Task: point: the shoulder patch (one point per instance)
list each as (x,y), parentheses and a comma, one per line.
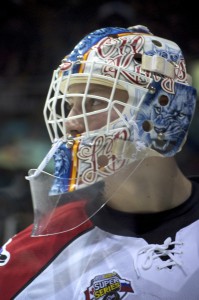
(108,286)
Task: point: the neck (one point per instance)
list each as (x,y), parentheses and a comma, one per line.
(156,184)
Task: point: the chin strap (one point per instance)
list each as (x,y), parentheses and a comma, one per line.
(46,159)
(65,166)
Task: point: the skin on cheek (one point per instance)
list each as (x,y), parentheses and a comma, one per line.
(97,121)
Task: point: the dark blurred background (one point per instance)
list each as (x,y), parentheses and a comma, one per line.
(34,36)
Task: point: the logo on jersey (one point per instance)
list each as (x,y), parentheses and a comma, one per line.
(4,254)
(108,286)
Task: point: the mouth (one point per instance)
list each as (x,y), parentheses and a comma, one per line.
(162,145)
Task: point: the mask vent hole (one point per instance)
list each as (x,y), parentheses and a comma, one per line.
(163,100)
(138,57)
(102,161)
(157,43)
(114,36)
(147,126)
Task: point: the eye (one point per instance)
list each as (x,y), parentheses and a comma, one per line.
(181,115)
(69,104)
(95,104)
(157,109)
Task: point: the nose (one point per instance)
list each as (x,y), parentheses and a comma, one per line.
(160,129)
(74,125)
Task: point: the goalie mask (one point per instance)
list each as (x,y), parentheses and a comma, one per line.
(120,96)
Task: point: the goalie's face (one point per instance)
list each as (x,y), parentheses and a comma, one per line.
(94,109)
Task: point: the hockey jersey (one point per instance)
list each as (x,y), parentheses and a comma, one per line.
(111,256)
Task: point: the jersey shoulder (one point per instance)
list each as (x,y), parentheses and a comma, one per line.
(24,256)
